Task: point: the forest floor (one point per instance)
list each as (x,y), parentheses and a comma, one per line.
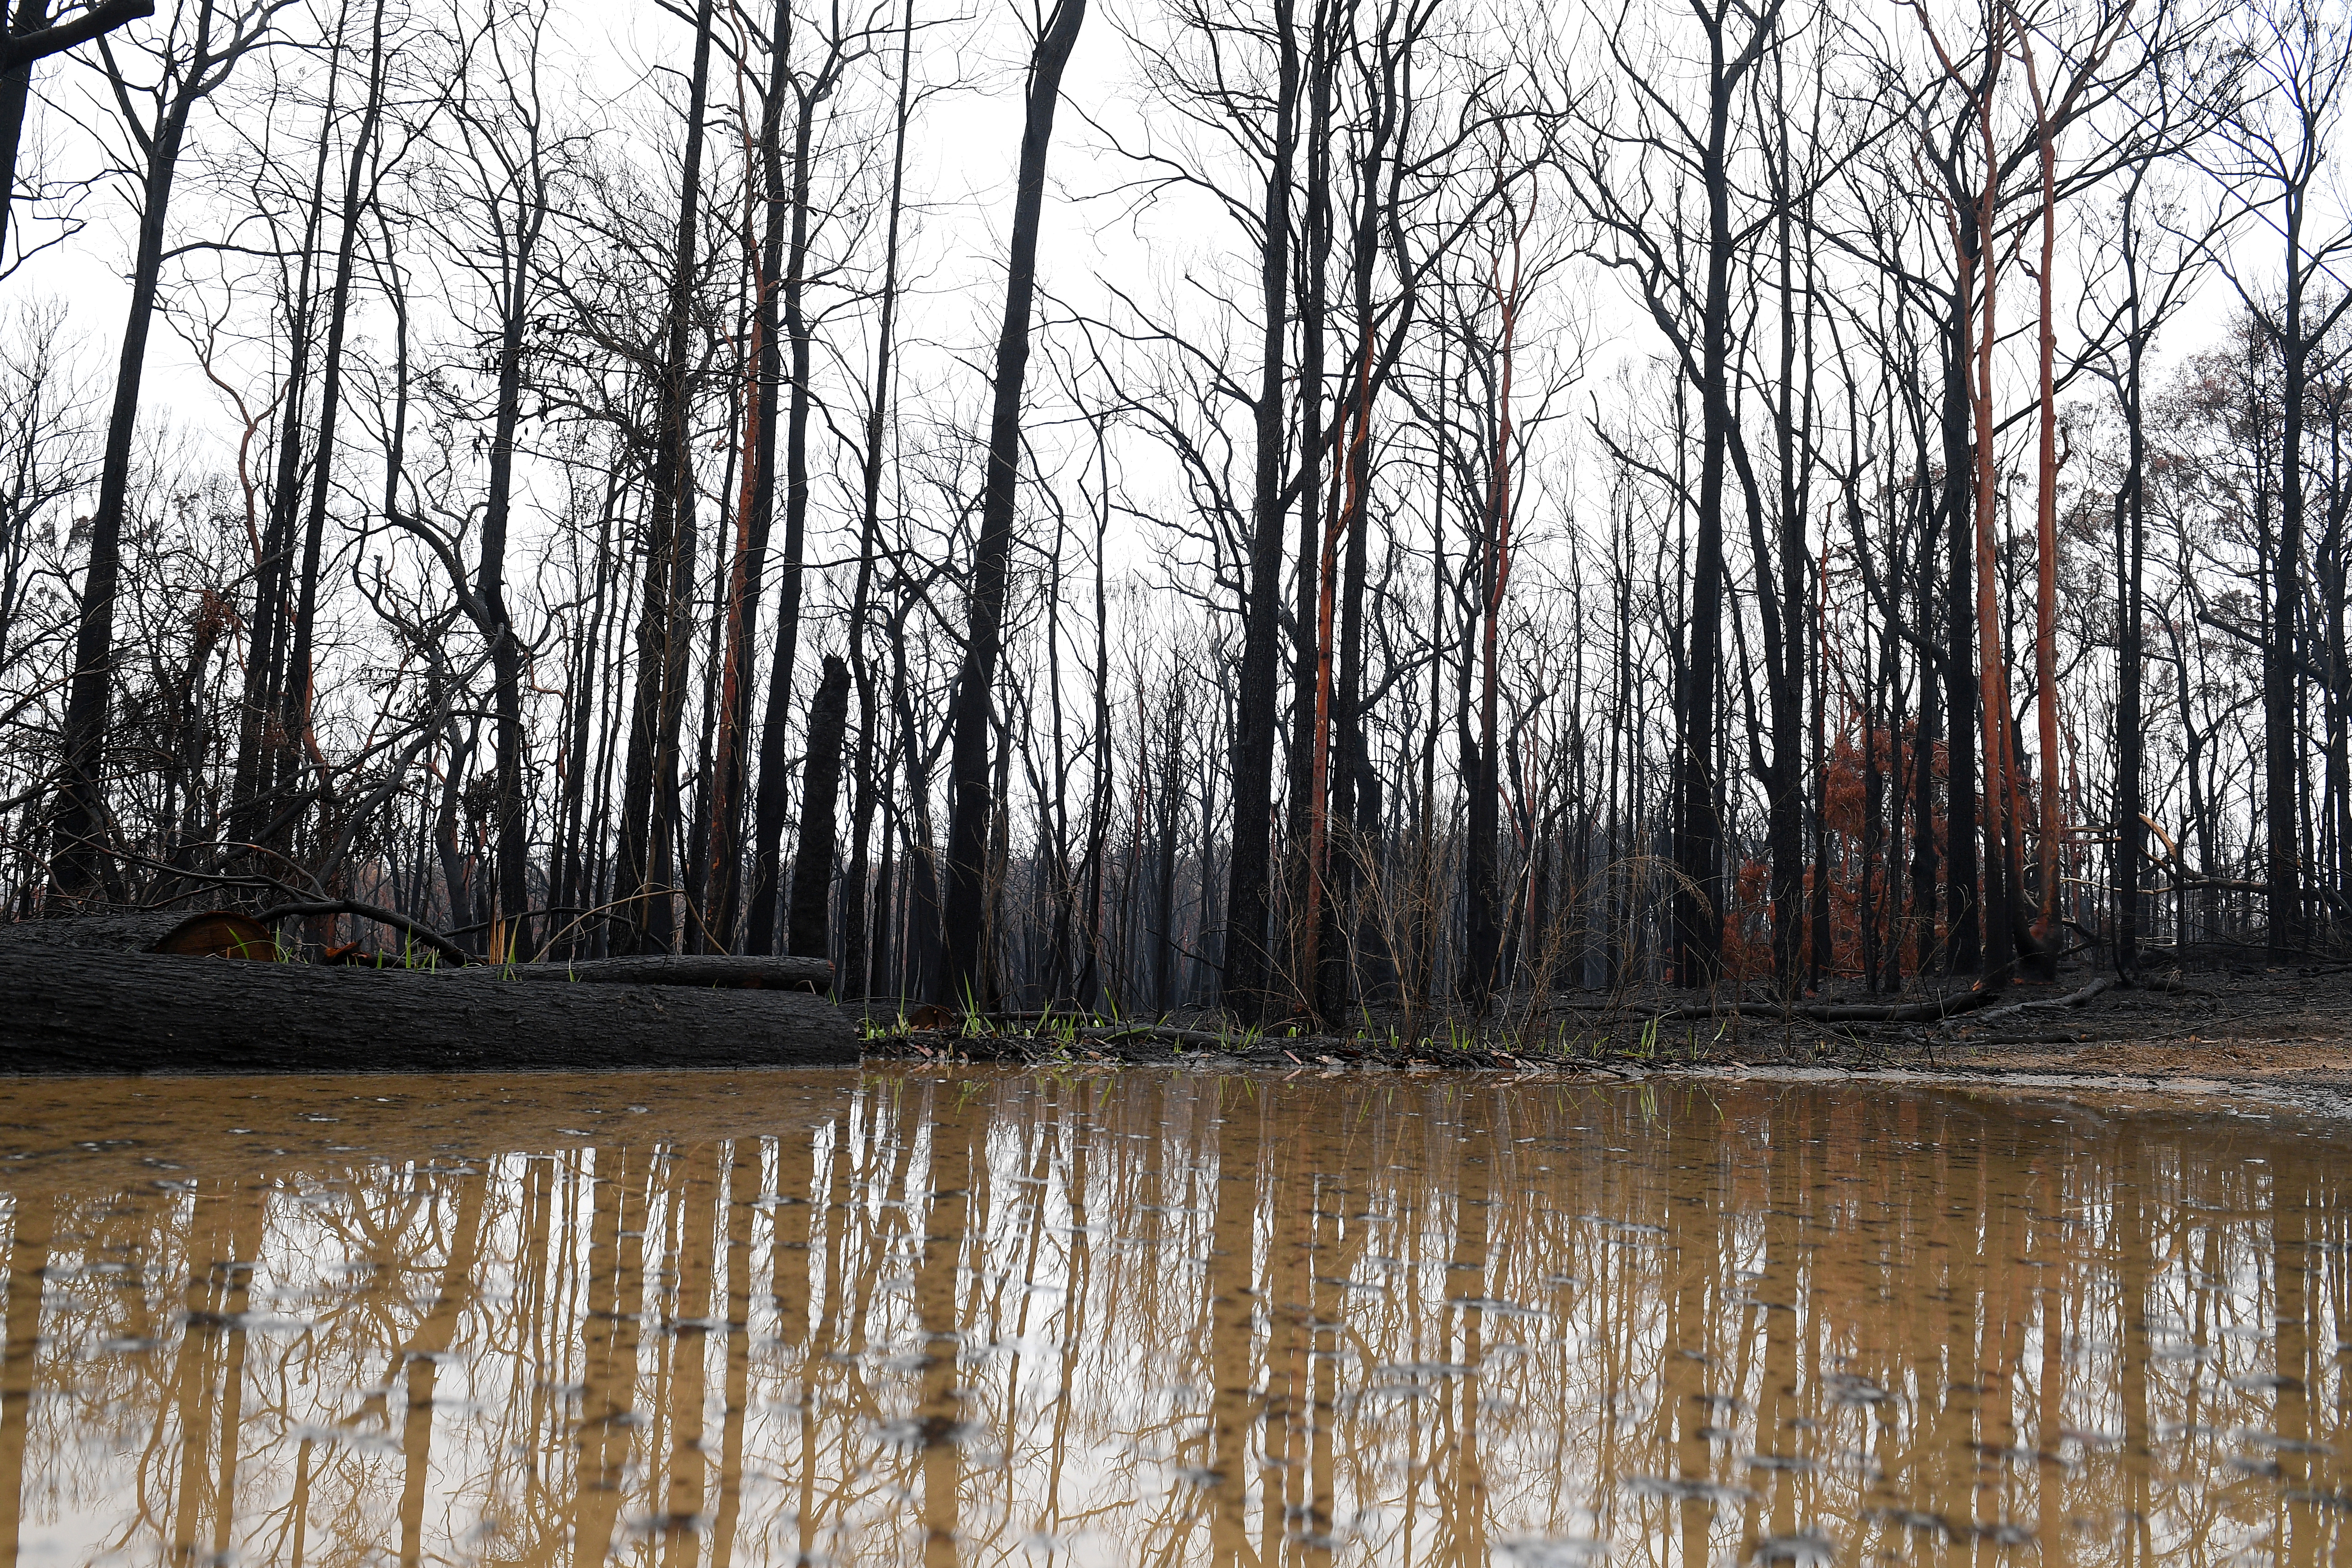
(2285,1030)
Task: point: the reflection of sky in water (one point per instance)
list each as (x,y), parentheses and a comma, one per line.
(925,1317)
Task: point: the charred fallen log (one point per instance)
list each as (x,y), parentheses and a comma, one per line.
(206,934)
(712,970)
(88,1010)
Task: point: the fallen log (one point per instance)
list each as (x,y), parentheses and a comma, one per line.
(1718,1005)
(716,971)
(99,1011)
(1899,1011)
(206,934)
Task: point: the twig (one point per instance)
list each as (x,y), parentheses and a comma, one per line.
(1107,1036)
(2072,999)
(422,933)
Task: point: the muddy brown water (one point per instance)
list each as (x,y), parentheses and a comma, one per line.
(993,1316)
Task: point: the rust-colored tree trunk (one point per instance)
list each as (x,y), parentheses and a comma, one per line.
(1319,775)
(2045,584)
(722,853)
(1991,664)
(1998,796)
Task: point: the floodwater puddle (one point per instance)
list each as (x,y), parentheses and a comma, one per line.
(979,1316)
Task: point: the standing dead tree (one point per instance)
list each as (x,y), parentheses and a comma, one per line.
(965,915)
(183,68)
(2275,158)
(1623,180)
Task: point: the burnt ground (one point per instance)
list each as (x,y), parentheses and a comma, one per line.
(2284,1029)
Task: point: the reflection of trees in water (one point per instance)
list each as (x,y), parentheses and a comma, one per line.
(1204,1320)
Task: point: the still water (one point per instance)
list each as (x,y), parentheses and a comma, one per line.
(990,1316)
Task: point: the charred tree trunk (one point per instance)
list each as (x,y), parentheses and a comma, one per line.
(648,796)
(81,868)
(1698,901)
(807,934)
(857,955)
(1963,950)
(2282,734)
(965,917)
(2131,554)
(512,936)
(775,763)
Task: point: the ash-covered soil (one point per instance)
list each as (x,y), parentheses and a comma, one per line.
(2286,1029)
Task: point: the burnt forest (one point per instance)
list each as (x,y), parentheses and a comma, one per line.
(1194,523)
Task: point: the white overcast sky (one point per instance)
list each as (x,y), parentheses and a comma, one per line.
(963,155)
